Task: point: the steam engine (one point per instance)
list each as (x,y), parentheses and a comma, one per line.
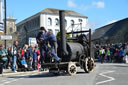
(75,53)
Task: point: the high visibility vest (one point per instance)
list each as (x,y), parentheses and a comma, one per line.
(101,52)
(108,52)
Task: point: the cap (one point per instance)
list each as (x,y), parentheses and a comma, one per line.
(42,28)
(50,31)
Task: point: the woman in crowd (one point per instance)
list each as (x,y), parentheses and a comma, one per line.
(9,56)
(3,58)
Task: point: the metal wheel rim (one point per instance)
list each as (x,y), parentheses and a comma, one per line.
(72,69)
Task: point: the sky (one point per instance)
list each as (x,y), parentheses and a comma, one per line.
(99,12)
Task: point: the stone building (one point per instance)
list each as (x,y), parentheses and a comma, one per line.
(10,30)
(49,18)
(112,33)
(11,25)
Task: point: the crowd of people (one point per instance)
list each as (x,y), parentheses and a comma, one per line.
(112,53)
(29,58)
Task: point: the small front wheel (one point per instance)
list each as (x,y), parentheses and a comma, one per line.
(72,69)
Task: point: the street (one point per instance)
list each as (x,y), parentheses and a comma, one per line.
(104,74)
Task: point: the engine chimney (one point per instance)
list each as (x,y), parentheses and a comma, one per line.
(62,33)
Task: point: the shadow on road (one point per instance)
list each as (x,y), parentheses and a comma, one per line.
(81,73)
(44,75)
(121,65)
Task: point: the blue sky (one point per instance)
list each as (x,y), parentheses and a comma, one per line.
(99,12)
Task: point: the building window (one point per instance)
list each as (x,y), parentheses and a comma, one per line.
(72,23)
(80,20)
(49,21)
(56,22)
(56,31)
(10,23)
(11,30)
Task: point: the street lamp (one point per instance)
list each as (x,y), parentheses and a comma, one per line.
(5,19)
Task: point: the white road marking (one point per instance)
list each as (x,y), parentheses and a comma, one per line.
(103,74)
(5,82)
(111,64)
(10,81)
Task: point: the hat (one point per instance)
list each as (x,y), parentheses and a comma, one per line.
(42,28)
(50,30)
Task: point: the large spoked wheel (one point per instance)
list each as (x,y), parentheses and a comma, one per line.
(72,69)
(89,65)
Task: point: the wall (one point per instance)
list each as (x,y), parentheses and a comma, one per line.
(44,22)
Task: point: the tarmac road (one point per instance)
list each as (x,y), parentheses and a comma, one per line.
(104,74)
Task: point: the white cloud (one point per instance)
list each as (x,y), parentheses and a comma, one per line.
(99,4)
(93,4)
(71,4)
(84,7)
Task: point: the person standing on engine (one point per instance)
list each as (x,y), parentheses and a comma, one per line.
(51,38)
(42,43)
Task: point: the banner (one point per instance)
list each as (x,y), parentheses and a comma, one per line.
(1,26)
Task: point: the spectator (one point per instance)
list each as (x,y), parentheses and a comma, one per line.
(30,58)
(102,54)
(108,55)
(25,53)
(121,55)
(3,58)
(9,63)
(117,54)
(111,54)
(125,54)
(34,58)
(14,52)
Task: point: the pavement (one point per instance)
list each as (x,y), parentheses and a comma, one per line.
(8,72)
(104,74)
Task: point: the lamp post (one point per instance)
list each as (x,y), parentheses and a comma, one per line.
(5,19)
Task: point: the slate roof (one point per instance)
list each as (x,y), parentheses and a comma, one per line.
(53,11)
(110,29)
(67,12)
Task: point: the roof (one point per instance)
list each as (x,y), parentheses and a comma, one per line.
(110,29)
(67,12)
(98,33)
(54,11)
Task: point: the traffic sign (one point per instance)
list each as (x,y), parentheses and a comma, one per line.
(6,37)
(32,41)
